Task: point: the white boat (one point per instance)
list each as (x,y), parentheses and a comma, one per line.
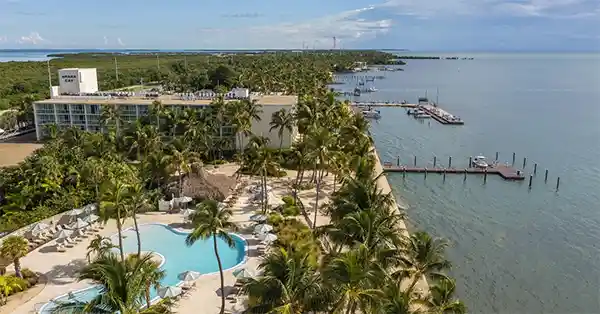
(374,114)
(371,89)
(479,162)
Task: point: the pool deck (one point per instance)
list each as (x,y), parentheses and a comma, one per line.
(61,268)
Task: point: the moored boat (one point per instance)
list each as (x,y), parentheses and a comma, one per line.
(480,162)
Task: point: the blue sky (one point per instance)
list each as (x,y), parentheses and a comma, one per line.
(426,25)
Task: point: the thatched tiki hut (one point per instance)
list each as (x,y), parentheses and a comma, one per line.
(201,185)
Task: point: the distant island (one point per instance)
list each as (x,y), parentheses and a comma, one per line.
(434,58)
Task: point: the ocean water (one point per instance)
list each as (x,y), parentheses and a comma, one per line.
(513,249)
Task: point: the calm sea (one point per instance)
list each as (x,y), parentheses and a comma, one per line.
(514,250)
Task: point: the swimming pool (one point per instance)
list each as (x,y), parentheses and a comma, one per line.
(178,257)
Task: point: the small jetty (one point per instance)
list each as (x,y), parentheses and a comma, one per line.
(505,172)
(441,115)
(398,104)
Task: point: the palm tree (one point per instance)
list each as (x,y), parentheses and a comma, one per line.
(282,120)
(289,284)
(99,246)
(137,202)
(123,282)
(14,248)
(110,116)
(440,299)
(182,159)
(396,300)
(113,205)
(320,142)
(213,220)
(423,256)
(152,275)
(355,278)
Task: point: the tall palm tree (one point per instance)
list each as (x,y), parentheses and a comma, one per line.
(113,205)
(14,248)
(321,143)
(110,116)
(289,284)
(440,299)
(182,159)
(423,256)
(152,275)
(396,300)
(99,246)
(137,202)
(213,220)
(282,120)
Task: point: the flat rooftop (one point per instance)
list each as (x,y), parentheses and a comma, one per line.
(165,99)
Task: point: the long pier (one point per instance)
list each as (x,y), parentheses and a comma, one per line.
(441,115)
(505,172)
(383,104)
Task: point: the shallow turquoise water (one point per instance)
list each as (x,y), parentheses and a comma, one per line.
(514,250)
(178,257)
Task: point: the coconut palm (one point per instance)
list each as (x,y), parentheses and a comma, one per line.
(282,120)
(289,284)
(123,282)
(320,141)
(440,299)
(182,160)
(137,202)
(99,246)
(113,205)
(152,275)
(213,220)
(423,256)
(396,300)
(14,248)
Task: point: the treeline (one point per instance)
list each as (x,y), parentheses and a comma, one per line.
(181,72)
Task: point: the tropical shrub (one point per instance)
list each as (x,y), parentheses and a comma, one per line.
(288,200)
(275,220)
(291,211)
(296,236)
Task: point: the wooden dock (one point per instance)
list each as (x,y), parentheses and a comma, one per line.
(441,115)
(505,172)
(383,104)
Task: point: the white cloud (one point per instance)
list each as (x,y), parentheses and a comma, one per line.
(120,42)
(346,26)
(105,40)
(34,38)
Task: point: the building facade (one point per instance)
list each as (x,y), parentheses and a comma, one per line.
(84,112)
(75,81)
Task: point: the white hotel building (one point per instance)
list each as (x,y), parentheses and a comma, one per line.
(71,105)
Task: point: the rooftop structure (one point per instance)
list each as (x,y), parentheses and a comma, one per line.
(76,80)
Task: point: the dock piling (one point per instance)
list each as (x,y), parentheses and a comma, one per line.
(524,162)
(444,175)
(398,161)
(470,161)
(514,156)
(546,176)
(534,168)
(425,173)
(496,156)
(449,161)
(403,173)
(434,161)
(465,178)
(485,176)
(557,183)
(530,180)
(415,161)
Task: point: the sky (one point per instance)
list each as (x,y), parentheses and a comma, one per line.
(419,25)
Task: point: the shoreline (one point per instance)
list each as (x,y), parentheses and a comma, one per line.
(382,182)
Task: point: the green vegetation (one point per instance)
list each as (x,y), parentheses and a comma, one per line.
(358,261)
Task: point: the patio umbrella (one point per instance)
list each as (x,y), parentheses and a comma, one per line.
(187,212)
(189,275)
(38,229)
(63,234)
(90,208)
(74,212)
(184,199)
(268,237)
(242,273)
(79,224)
(263,228)
(169,292)
(258,217)
(91,218)
(274,200)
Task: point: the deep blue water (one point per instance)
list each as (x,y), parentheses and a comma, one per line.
(514,250)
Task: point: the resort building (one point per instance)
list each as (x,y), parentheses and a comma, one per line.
(83,109)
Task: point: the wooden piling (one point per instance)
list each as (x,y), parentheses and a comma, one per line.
(534,168)
(496,156)
(546,176)
(465,178)
(470,162)
(415,161)
(425,173)
(514,156)
(485,176)
(449,161)
(398,161)
(403,173)
(557,183)
(530,180)
(434,161)
(444,175)
(524,162)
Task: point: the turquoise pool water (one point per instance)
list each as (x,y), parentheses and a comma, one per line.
(170,243)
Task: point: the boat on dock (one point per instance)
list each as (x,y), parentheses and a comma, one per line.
(371,113)
(480,162)
(422,116)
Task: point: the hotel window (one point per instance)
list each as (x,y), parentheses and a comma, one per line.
(93,109)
